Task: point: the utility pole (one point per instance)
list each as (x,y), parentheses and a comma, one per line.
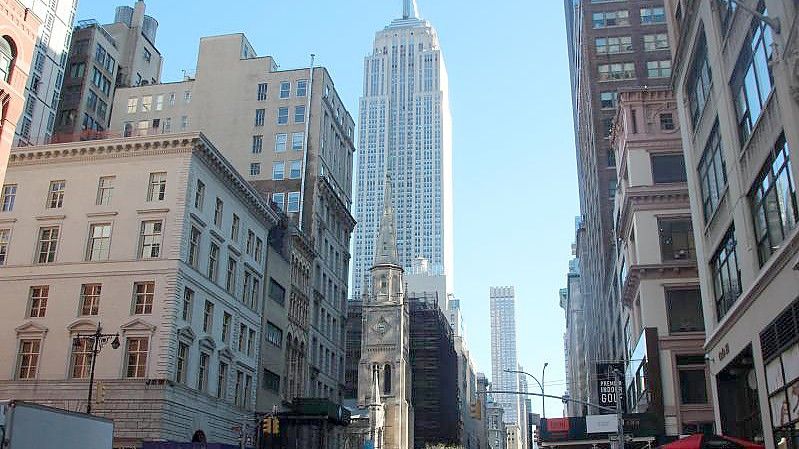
(619,414)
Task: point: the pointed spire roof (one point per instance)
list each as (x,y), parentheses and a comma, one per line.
(376,388)
(409,9)
(387,236)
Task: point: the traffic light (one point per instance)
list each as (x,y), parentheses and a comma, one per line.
(266,425)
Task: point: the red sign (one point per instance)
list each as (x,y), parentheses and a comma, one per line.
(558,424)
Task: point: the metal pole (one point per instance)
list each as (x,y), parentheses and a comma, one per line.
(543,397)
(619,415)
(95,350)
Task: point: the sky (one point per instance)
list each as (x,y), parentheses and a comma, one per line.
(515,183)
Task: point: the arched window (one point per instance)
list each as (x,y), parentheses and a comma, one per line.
(387,379)
(7,55)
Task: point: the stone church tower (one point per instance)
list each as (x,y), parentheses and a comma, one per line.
(385,347)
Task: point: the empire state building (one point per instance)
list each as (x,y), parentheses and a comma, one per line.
(405,133)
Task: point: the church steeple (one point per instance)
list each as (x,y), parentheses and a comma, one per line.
(387,236)
(409,9)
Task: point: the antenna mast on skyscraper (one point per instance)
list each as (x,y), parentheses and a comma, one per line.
(410,9)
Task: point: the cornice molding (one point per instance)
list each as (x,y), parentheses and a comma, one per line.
(651,198)
(637,273)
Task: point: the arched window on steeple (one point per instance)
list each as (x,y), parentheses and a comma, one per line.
(7,55)
(387,379)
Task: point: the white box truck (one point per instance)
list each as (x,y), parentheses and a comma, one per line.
(25,425)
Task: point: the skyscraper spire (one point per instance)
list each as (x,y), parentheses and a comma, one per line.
(409,9)
(387,235)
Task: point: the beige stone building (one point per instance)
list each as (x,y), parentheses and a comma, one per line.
(160,241)
(735,79)
(666,373)
(292,139)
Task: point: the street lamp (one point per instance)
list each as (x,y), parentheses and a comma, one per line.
(98,340)
(540,384)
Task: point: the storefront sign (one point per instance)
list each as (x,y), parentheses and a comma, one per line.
(601,423)
(608,384)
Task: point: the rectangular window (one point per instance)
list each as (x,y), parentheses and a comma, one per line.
(156,189)
(194,247)
(208,317)
(752,80)
(726,274)
(247,388)
(227,319)
(28,358)
(257,144)
(8,196)
(48,244)
(187,97)
(242,336)
(274,335)
(37,303)
(133,105)
(297,141)
(302,88)
(260,115)
(285,89)
(202,372)
(278,170)
(150,239)
(184,122)
(261,96)
(271,381)
(213,262)
(619,71)
(654,42)
(188,304)
(684,307)
(99,246)
(295,171)
(221,381)
(666,121)
(613,45)
(143,295)
(136,357)
(159,102)
(230,280)
(282,115)
(172,98)
(293,202)
(234,228)
(81,358)
(693,383)
(277,292)
(55,195)
(105,187)
(712,173)
(255,169)
(652,15)
(668,168)
(246,296)
(611,19)
(658,69)
(280,142)
(676,239)
(250,242)
(181,363)
(90,299)
(773,201)
(280,200)
(5,239)
(259,247)
(299,114)
(251,343)
(199,195)
(146,103)
(219,211)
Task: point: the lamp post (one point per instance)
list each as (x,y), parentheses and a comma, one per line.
(540,385)
(98,340)
(543,374)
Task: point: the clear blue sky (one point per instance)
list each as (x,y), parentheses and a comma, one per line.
(514,158)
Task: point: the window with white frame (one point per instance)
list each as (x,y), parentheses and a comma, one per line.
(295,169)
(194,247)
(302,88)
(202,371)
(90,299)
(257,144)
(133,105)
(608,99)
(199,195)
(208,317)
(280,200)
(99,245)
(299,114)
(156,189)
(261,96)
(285,89)
(278,170)
(654,42)
(282,115)
(280,142)
(81,358)
(230,280)
(297,141)
(613,45)
(37,302)
(260,116)
(136,357)
(105,188)
(227,320)
(219,211)
(255,168)
(55,194)
(28,358)
(150,239)
(143,296)
(609,19)
(188,304)
(293,202)
(213,262)
(181,362)
(7,197)
(618,71)
(234,228)
(221,381)
(658,69)
(48,244)
(5,240)
(653,15)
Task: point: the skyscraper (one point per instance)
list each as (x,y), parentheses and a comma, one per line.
(503,351)
(405,131)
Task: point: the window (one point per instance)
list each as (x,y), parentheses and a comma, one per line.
(257,144)
(48,244)
(302,88)
(259,247)
(199,195)
(387,379)
(260,115)
(274,335)
(221,381)
(611,19)
(234,228)
(187,97)
(293,202)
(156,190)
(172,98)
(208,317)
(150,239)
(81,358)
(285,89)
(143,295)
(230,281)
(37,304)
(712,173)
(271,381)
(77,70)
(278,171)
(612,45)
(251,343)
(607,99)
(28,358)
(773,201)
(250,242)
(652,15)
(133,105)
(99,242)
(105,187)
(91,101)
(295,171)
(280,142)
(668,168)
(299,114)
(90,299)
(684,307)
(752,81)
(194,247)
(280,200)
(202,371)
(726,274)
(159,103)
(136,357)
(620,71)
(261,96)
(55,195)
(226,321)
(246,296)
(184,122)
(182,362)
(693,384)
(188,304)
(5,239)
(213,262)
(676,239)
(255,169)
(146,103)
(666,121)
(7,197)
(658,69)
(219,212)
(297,141)
(282,115)
(242,336)
(654,42)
